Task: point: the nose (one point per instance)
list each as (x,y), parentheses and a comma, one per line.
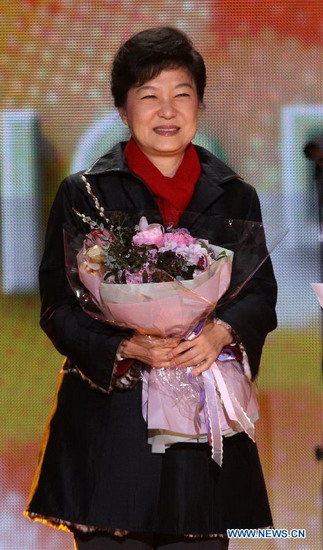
(167,109)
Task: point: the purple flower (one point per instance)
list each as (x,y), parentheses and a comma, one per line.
(133,278)
(194,253)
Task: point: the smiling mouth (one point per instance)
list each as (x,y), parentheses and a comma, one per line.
(166,130)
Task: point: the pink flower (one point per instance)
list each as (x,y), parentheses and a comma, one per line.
(153,234)
(180,237)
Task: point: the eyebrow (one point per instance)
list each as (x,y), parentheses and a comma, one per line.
(183,84)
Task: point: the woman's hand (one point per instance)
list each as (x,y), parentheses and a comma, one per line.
(202,351)
(151,350)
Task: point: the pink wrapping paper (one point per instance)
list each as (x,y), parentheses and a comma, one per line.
(162,309)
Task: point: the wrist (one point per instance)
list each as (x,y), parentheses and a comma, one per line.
(234,336)
(223,335)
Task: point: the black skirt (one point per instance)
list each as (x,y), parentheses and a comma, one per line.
(97,469)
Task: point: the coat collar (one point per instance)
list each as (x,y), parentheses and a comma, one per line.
(111,161)
(214,174)
(213,168)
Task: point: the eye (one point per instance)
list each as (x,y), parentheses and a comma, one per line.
(183,94)
(149,96)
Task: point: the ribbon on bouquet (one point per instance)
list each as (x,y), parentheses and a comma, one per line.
(217,397)
(225,404)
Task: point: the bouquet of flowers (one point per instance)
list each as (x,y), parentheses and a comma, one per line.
(167,282)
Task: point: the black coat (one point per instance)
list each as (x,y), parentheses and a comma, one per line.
(96,468)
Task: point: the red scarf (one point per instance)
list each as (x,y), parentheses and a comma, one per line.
(172,194)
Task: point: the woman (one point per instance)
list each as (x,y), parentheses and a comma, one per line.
(97,476)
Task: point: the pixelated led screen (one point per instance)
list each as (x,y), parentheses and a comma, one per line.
(264,101)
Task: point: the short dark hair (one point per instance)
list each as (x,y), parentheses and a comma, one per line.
(149,52)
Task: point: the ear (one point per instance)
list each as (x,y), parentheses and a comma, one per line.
(123,115)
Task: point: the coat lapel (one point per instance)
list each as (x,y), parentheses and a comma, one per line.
(209,188)
(206,193)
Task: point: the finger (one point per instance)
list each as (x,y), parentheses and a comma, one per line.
(193,353)
(187,360)
(158,358)
(202,367)
(188,355)
(158,348)
(170,344)
(199,343)
(181,348)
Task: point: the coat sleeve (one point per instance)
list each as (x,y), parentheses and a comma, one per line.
(252,313)
(89,344)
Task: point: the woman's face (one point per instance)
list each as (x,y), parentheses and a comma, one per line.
(162,114)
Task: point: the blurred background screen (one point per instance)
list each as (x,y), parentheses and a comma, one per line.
(264,102)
